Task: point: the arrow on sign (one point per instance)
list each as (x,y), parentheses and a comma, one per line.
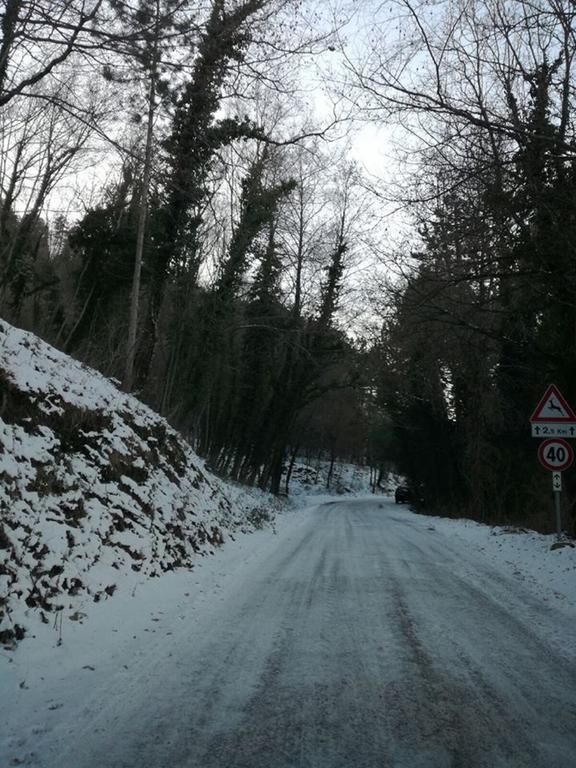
(556,481)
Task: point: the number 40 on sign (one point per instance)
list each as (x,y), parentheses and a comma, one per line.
(555,454)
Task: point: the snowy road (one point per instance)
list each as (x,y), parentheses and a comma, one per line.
(359,637)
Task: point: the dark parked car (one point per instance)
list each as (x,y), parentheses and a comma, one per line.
(403,495)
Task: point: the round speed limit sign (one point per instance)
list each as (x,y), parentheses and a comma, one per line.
(555,454)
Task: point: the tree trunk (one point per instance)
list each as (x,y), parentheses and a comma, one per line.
(330,470)
(128,381)
(290,468)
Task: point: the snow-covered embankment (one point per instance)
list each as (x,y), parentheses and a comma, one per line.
(96,490)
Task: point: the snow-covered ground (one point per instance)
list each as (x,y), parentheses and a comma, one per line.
(523,555)
(173,619)
(312,479)
(55,682)
(356,630)
(97,492)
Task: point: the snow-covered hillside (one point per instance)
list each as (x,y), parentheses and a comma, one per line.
(311,478)
(96,490)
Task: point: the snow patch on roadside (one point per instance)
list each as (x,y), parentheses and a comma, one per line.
(520,554)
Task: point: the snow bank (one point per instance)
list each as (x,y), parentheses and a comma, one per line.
(518,553)
(96,490)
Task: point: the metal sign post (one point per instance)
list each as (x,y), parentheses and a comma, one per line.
(555,420)
(558,506)
(556,455)
(557,489)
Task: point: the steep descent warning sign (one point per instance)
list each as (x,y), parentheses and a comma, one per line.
(553,408)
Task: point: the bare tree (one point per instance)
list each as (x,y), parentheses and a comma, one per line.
(467,67)
(38,36)
(40,145)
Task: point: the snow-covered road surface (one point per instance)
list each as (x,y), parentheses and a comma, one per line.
(358,637)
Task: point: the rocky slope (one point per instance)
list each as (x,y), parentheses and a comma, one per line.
(96,490)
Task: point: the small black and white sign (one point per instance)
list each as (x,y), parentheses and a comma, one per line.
(543,430)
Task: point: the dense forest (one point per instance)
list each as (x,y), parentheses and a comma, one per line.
(183,207)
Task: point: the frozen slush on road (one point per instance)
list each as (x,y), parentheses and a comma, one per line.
(361,635)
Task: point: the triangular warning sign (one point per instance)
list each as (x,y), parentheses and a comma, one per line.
(553,408)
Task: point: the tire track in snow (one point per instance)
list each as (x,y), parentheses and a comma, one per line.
(364,641)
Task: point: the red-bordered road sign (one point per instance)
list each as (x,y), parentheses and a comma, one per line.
(555,454)
(553,408)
